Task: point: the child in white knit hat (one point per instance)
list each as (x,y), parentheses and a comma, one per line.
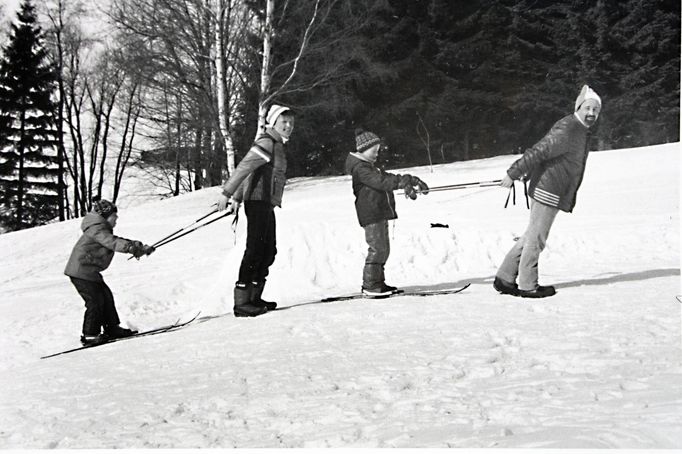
(259,182)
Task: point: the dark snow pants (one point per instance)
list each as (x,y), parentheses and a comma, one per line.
(261,244)
(378,241)
(100,310)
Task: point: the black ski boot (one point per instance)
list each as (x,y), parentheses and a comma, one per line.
(392,289)
(91,340)
(505,288)
(380,291)
(540,291)
(243,305)
(257,291)
(117,332)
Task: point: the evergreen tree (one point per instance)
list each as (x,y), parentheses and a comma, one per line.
(28,163)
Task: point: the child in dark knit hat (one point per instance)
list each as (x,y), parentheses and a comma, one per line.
(375,206)
(91,255)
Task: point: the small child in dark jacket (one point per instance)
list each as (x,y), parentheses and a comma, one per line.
(91,255)
(375,206)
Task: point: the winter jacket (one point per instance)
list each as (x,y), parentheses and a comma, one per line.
(94,250)
(555,165)
(373,189)
(261,175)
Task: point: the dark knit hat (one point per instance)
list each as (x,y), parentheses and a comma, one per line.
(364,140)
(104,208)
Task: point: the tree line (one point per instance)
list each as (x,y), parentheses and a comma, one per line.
(179,88)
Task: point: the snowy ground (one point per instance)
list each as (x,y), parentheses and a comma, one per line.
(596,366)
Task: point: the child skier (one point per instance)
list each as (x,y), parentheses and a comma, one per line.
(91,255)
(375,206)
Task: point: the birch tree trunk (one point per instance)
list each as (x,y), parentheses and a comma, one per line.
(265,68)
(221,83)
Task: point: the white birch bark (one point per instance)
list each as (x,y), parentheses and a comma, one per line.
(221,83)
(265,68)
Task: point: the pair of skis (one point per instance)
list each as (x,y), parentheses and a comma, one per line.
(355,296)
(162,329)
(178,324)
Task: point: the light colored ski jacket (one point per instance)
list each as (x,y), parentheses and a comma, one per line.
(95,249)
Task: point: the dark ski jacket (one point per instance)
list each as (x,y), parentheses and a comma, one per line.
(373,189)
(261,175)
(95,249)
(555,165)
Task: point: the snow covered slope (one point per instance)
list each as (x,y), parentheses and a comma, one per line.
(596,366)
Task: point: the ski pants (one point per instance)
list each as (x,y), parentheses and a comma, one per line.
(379,249)
(100,310)
(522,260)
(261,241)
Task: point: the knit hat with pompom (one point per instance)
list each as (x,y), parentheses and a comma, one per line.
(103,207)
(364,140)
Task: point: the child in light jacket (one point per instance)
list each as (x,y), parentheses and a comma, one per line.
(91,255)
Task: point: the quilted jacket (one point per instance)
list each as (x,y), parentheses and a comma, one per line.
(373,189)
(261,175)
(95,249)
(555,165)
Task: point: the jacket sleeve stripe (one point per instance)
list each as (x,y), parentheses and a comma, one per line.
(262,153)
(546,197)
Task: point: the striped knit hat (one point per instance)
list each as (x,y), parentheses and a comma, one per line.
(364,140)
(274,113)
(104,208)
(585,94)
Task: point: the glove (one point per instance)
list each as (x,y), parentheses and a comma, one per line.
(137,249)
(404,181)
(406,185)
(148,249)
(410,192)
(422,187)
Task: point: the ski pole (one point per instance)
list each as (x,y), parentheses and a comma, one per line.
(481,184)
(187,232)
(184,228)
(172,237)
(450,187)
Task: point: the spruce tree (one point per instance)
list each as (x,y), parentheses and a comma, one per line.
(28,162)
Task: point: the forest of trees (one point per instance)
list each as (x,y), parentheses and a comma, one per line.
(179,88)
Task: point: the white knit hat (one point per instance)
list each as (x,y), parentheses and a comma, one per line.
(585,94)
(274,113)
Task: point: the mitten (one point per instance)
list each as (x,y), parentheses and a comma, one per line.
(406,185)
(423,187)
(148,249)
(404,181)
(410,192)
(137,249)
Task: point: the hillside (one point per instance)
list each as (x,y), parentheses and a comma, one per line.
(596,366)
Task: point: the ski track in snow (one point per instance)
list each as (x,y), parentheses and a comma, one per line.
(596,366)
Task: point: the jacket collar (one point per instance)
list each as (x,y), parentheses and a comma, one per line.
(580,119)
(360,157)
(275,135)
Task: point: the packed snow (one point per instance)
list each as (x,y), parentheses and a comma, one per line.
(596,366)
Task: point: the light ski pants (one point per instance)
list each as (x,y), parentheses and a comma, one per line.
(522,260)
(379,244)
